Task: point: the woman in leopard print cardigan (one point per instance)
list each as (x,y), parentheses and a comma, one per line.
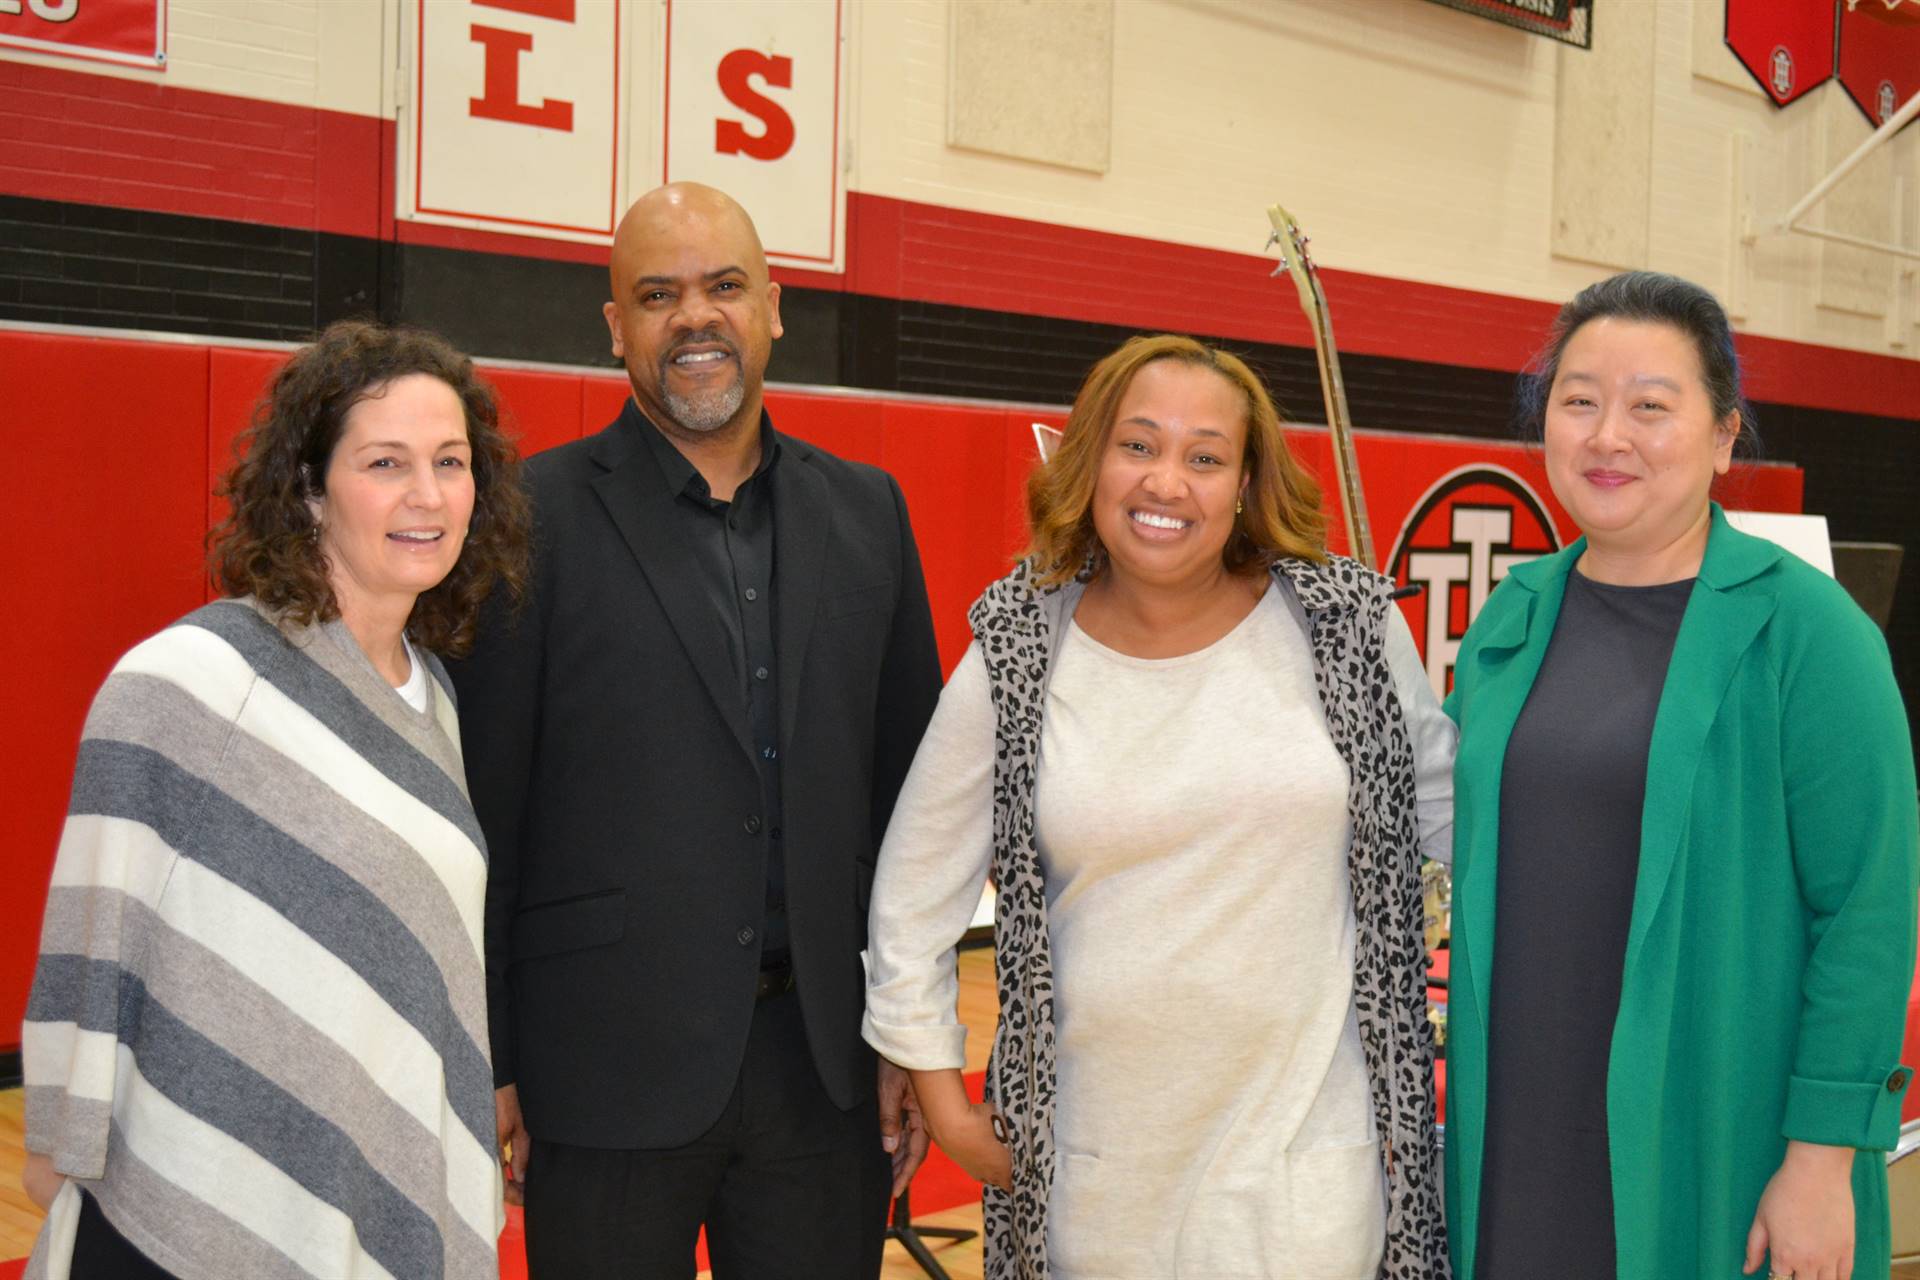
(1172,487)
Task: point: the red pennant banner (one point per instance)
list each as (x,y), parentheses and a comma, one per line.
(1787,45)
(1879,59)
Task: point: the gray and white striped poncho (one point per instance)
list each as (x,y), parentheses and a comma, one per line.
(257,1030)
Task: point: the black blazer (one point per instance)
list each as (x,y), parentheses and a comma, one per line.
(609,756)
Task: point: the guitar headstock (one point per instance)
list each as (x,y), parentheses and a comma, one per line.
(1046,439)
(1294,258)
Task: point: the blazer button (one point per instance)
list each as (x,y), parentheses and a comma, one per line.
(744,937)
(752,825)
(1896,1082)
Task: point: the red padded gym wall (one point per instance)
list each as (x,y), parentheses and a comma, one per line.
(235,381)
(102,509)
(538,409)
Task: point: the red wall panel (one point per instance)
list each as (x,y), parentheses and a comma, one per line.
(848,426)
(102,508)
(236,379)
(147,145)
(951,464)
(601,399)
(539,410)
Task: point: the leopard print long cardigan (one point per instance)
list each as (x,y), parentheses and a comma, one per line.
(1346,608)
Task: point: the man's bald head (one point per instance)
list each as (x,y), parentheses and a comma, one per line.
(670,213)
(693,314)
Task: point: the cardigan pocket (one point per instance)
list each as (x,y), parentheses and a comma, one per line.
(1084,1234)
(569,924)
(1336,1212)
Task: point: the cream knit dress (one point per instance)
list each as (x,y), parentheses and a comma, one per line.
(1213,1118)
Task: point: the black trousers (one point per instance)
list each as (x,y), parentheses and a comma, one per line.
(789,1186)
(100,1252)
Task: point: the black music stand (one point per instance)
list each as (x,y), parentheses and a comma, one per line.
(1869,571)
(901,1228)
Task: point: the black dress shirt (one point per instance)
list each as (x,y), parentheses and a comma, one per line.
(732,544)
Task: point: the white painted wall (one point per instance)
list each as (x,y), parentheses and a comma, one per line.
(1418,142)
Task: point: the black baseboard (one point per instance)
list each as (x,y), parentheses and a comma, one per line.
(10,1070)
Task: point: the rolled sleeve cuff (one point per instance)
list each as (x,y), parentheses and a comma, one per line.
(917,1048)
(1836,1113)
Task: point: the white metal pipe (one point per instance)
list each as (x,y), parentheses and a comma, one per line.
(1892,126)
(1858,242)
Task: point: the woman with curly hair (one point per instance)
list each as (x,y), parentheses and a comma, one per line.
(1200,759)
(256,1040)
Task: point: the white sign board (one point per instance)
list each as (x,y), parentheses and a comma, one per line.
(516,121)
(1805,536)
(752,106)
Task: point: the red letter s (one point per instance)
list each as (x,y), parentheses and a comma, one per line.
(730,137)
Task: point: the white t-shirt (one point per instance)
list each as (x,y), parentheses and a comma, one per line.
(415,689)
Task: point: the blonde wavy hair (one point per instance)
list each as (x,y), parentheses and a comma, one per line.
(1282,518)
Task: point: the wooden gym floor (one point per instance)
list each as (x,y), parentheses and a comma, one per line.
(20,1220)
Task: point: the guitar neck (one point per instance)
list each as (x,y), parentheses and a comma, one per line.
(1346,464)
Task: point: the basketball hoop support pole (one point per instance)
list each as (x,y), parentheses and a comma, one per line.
(1790,224)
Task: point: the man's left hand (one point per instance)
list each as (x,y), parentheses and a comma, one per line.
(902,1130)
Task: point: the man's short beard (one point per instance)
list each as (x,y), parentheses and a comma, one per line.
(708,412)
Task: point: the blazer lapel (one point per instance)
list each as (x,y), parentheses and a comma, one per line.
(1507,659)
(635,495)
(1719,627)
(802,521)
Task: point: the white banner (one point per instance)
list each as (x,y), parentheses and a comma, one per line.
(516,117)
(752,106)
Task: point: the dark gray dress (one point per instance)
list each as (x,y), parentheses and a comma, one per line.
(1570,802)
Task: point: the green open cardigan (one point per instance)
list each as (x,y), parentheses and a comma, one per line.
(1772,935)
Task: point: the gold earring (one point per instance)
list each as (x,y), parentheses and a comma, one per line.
(1239,505)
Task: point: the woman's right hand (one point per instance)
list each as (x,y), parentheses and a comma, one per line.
(40,1181)
(964,1129)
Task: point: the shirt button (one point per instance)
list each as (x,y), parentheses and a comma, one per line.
(768,753)
(744,937)
(752,594)
(759,673)
(732,523)
(775,833)
(752,824)
(1896,1082)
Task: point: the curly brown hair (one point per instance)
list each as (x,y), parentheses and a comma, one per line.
(1282,517)
(268,546)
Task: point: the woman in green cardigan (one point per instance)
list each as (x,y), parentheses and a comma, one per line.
(1685,856)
